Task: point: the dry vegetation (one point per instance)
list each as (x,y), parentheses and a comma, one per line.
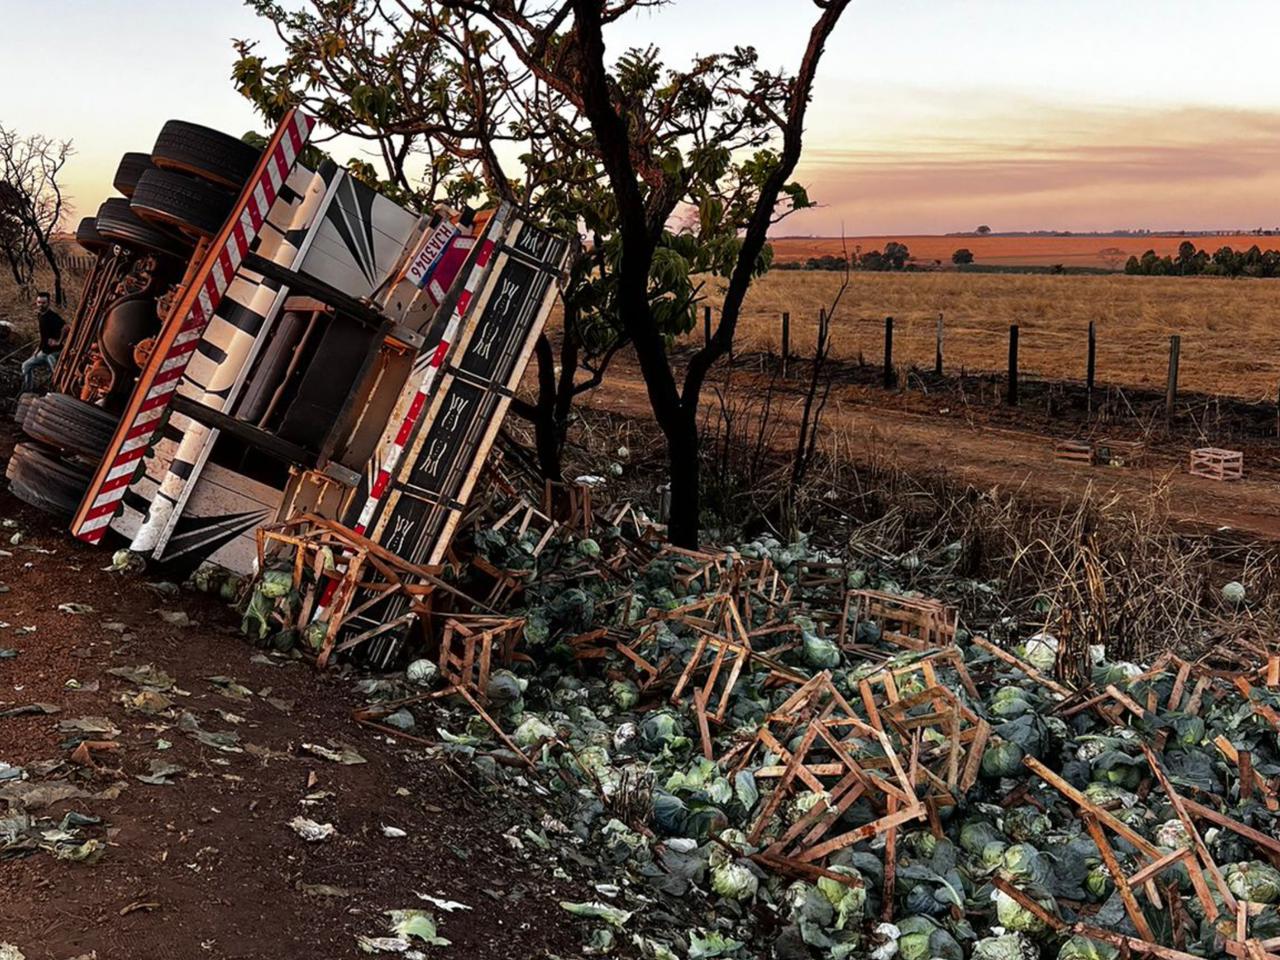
(1107,252)
(1230,337)
(17,303)
(1114,565)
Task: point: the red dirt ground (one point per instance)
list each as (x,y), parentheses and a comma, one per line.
(207,866)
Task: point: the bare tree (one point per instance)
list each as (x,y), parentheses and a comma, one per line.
(32,204)
(15,243)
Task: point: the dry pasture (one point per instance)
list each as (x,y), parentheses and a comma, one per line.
(1229,328)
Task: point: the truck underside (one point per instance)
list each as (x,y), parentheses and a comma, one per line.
(321,350)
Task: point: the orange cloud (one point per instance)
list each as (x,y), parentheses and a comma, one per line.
(1042,168)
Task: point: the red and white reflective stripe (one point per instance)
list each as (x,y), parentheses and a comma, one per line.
(137,435)
(412,415)
(436,291)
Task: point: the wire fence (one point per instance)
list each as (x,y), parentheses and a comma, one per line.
(75,262)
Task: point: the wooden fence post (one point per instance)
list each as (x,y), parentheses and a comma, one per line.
(786,341)
(1171,387)
(888,353)
(1012,397)
(1088,380)
(937,353)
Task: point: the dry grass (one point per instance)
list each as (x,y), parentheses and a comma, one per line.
(17,304)
(1104,252)
(1230,337)
(1115,568)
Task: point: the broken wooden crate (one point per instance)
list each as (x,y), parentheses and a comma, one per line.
(470,646)
(915,623)
(840,760)
(1073,451)
(330,563)
(1119,453)
(922,713)
(1215,463)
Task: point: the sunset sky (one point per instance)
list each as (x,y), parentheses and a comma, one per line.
(929,115)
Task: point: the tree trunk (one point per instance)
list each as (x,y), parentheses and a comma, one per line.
(682,455)
(546,435)
(59,296)
(15,268)
(547,441)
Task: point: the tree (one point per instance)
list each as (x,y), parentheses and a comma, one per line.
(984,230)
(897,254)
(434,88)
(873,260)
(31,203)
(1113,257)
(16,243)
(669,171)
(1228,261)
(961,256)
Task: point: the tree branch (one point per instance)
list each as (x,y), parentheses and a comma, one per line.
(757,230)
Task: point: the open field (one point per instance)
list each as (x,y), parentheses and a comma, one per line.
(1230,335)
(1107,252)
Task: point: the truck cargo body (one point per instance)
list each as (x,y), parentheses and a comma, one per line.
(331,353)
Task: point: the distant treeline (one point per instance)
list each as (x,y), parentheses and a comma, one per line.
(1194,262)
(895,256)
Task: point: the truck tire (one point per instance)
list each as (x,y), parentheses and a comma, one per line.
(87,235)
(117,223)
(208,154)
(132,166)
(22,406)
(70,424)
(38,477)
(177,200)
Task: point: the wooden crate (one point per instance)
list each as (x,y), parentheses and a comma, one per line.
(469,645)
(916,623)
(1214,463)
(339,574)
(1119,453)
(1073,451)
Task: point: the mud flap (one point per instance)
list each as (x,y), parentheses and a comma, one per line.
(221,519)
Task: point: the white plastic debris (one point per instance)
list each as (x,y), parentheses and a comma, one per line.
(311,831)
(448,906)
(888,935)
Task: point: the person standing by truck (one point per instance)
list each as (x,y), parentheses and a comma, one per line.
(52,328)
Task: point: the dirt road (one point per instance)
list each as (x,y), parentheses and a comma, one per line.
(996,447)
(205,864)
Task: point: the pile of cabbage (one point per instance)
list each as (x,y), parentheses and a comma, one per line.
(664,831)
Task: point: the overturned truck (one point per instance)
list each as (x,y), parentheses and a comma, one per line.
(260,340)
